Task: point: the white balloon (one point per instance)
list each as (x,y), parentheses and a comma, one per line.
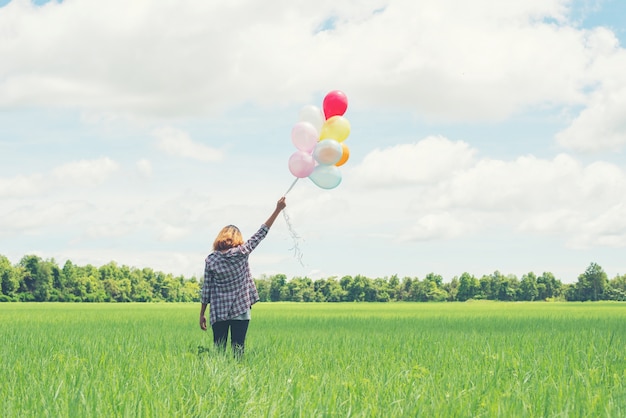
(313,115)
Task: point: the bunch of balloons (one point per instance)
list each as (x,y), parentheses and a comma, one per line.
(319,137)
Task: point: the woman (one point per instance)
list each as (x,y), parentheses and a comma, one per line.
(228,285)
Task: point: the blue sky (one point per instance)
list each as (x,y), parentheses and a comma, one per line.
(484,137)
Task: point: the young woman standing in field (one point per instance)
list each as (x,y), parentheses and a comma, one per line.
(228,286)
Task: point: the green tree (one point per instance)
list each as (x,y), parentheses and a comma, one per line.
(329,290)
(452,289)
(404,288)
(394,287)
(433,288)
(278,288)
(116,282)
(487,287)
(301,290)
(320,287)
(355,287)
(416,291)
(548,286)
(381,290)
(9,278)
(170,288)
(507,287)
(69,277)
(528,287)
(469,287)
(190,291)
(592,284)
(141,289)
(617,287)
(37,280)
(346,283)
(570,291)
(90,289)
(263,287)
(484,287)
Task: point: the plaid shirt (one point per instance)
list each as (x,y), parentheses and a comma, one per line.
(228,284)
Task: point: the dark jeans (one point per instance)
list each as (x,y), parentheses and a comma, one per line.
(238,330)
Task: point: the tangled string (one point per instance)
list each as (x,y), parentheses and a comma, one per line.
(297,253)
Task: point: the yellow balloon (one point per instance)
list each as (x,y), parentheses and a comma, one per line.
(336,127)
(344,156)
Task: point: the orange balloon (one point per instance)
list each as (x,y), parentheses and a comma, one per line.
(344,155)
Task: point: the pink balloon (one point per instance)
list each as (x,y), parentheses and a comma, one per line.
(335,104)
(301,164)
(304,136)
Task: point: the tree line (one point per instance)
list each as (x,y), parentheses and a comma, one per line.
(38,280)
(592,285)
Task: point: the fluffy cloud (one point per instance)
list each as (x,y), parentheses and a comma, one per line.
(444,60)
(176,142)
(33,217)
(440,58)
(601,123)
(30,208)
(144,168)
(438,226)
(423,162)
(19,186)
(439,189)
(83,173)
(86,172)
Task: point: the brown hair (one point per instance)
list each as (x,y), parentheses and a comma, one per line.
(229,237)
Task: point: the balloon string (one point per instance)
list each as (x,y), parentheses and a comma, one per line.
(297,253)
(291,187)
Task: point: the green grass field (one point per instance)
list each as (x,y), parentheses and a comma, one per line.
(395,359)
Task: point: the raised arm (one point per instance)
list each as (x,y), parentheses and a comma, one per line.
(280,205)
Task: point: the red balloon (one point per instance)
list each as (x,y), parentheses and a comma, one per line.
(335,104)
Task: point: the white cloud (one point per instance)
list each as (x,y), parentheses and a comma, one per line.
(607,230)
(20,186)
(465,195)
(601,124)
(178,143)
(86,172)
(439,58)
(438,226)
(443,60)
(31,218)
(423,162)
(552,221)
(144,168)
(112,222)
(523,184)
(172,233)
